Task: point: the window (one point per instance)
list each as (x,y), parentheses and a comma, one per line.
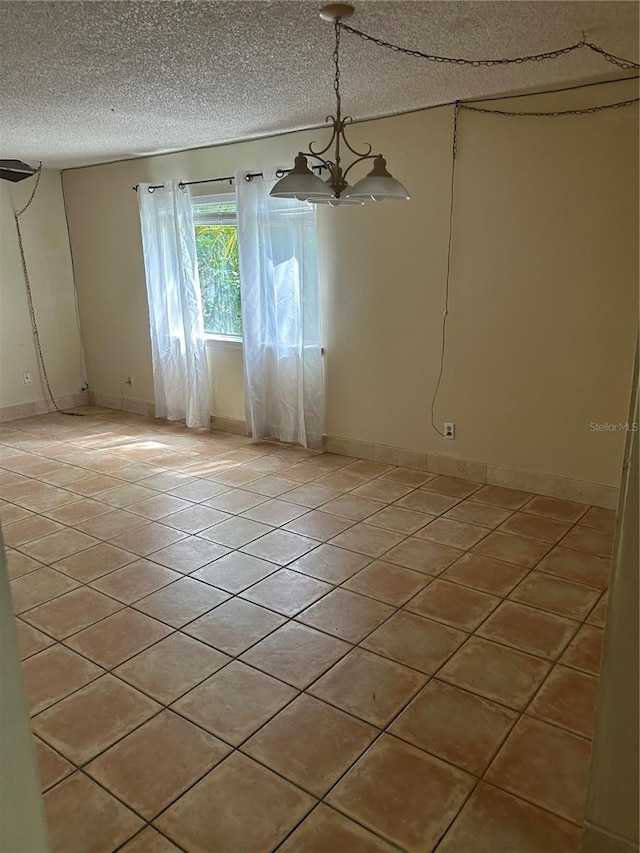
(216,228)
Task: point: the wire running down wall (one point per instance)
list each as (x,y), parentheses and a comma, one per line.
(542,286)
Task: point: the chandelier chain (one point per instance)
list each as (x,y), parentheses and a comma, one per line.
(611,57)
(488,63)
(336,62)
(456,113)
(554,114)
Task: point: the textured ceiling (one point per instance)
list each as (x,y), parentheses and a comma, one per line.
(89,82)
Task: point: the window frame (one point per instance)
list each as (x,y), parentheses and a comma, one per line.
(214,339)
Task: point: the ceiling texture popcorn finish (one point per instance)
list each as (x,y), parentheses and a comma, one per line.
(91,82)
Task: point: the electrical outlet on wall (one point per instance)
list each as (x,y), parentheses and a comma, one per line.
(450,430)
(26,377)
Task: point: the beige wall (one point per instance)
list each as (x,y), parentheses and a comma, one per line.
(612,807)
(22,820)
(543,287)
(226,372)
(48,257)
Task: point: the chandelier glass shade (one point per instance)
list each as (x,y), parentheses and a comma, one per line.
(301,183)
(378,185)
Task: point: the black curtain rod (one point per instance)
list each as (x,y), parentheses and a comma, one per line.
(229,178)
(280,173)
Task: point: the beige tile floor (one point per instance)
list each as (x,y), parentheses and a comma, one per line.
(239,647)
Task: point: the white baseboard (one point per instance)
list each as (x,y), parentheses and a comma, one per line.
(123,404)
(234,425)
(594,494)
(146,409)
(41,407)
(598,840)
(538,482)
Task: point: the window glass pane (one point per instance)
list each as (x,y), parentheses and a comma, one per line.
(217,207)
(219,268)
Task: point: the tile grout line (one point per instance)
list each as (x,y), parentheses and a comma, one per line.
(131,605)
(396,609)
(289,618)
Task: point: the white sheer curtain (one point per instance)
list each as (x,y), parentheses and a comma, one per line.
(284,395)
(180,372)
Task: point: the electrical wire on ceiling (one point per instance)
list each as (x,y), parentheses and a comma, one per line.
(458,107)
(618,61)
(32,313)
(554,113)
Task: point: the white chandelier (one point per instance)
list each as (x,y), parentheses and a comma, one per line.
(301,183)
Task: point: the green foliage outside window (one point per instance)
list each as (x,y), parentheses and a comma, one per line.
(219,272)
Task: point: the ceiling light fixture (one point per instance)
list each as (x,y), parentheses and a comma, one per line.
(302,184)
